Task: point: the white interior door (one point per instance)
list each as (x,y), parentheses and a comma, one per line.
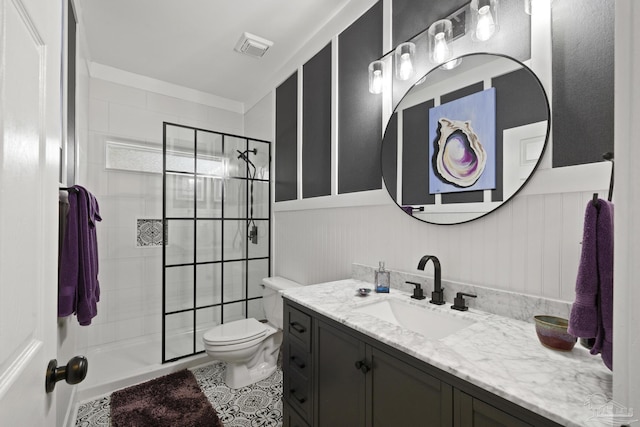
(29,155)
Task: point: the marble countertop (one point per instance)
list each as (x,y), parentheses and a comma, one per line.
(496,353)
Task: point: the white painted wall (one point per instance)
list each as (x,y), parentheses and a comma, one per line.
(131,277)
(626,343)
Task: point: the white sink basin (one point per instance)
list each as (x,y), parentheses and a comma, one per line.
(427,322)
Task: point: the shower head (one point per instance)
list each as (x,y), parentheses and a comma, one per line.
(243,154)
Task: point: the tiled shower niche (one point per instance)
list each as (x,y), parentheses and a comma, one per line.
(216,218)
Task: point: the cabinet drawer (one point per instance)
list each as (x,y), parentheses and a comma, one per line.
(299,326)
(299,360)
(299,394)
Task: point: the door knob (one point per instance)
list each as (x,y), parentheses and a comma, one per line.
(73,372)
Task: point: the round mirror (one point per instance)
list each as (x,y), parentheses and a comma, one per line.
(463,141)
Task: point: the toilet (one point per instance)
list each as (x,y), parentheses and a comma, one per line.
(248,347)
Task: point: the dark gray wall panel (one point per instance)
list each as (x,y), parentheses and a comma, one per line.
(286,139)
(465,196)
(511,112)
(359,112)
(583,61)
(411,17)
(389,156)
(415,155)
(316,125)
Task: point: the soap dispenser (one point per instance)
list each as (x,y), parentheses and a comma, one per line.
(383,279)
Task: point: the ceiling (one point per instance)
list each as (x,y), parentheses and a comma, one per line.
(191,43)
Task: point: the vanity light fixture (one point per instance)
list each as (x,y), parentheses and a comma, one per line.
(376,76)
(440,34)
(484,19)
(403,58)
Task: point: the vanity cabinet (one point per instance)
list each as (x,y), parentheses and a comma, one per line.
(335,376)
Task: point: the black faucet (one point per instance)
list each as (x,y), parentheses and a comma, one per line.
(437,296)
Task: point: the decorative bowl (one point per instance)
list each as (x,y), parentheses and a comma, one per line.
(363,292)
(552,333)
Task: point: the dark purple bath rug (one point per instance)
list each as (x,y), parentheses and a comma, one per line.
(173,400)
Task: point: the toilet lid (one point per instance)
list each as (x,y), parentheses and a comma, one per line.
(235,332)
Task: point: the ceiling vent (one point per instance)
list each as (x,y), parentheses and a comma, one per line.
(253,46)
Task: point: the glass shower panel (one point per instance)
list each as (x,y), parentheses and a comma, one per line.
(212,274)
(235,311)
(180,145)
(211,160)
(235,239)
(181,191)
(260,159)
(260,249)
(178,335)
(258,269)
(206,318)
(178,288)
(208,284)
(209,190)
(209,240)
(235,201)
(180,236)
(260,199)
(256,309)
(233,147)
(234,277)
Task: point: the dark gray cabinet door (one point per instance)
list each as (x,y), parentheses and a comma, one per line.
(472,412)
(340,385)
(402,395)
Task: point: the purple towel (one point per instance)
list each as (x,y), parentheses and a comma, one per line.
(78,287)
(592,311)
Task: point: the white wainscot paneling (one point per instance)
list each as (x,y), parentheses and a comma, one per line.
(531,245)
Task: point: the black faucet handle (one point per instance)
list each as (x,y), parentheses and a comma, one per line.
(459,303)
(418,292)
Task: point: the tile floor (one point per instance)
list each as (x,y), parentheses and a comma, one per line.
(258,405)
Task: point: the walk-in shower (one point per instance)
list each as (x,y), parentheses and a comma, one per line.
(217,233)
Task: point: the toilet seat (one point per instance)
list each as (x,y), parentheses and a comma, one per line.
(236,332)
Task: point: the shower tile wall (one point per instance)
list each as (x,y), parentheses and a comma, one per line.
(130,276)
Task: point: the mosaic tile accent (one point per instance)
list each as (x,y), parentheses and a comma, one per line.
(259,404)
(149,233)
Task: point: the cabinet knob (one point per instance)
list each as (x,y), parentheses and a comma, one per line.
(362,365)
(298,362)
(298,397)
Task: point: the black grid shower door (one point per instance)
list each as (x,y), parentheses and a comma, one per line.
(217,229)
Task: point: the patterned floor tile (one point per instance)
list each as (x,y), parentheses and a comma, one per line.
(258,405)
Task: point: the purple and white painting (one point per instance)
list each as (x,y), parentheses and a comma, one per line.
(462,144)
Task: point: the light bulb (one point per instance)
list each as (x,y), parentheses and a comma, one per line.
(486,26)
(406,67)
(376,82)
(376,75)
(441,51)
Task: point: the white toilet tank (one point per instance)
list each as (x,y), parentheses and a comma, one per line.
(272,299)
